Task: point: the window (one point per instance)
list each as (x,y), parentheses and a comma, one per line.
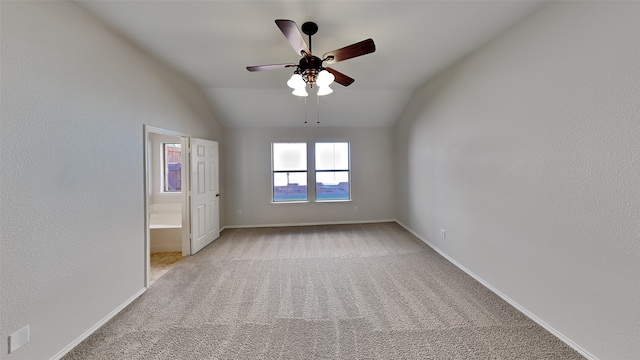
(289,161)
(172,167)
(332,171)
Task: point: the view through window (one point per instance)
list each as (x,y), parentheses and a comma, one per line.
(332,171)
(172,167)
(289,172)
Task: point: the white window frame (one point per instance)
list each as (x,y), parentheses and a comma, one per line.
(315,171)
(164,168)
(273,172)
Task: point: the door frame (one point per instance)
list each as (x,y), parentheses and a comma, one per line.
(185,174)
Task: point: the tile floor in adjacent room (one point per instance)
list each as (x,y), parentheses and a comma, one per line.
(162,262)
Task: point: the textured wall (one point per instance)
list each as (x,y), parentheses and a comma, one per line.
(75,97)
(526,153)
(248,173)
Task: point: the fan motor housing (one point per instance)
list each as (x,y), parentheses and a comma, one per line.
(309,67)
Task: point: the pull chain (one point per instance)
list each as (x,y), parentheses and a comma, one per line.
(305,110)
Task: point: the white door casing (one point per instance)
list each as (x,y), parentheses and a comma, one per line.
(205,196)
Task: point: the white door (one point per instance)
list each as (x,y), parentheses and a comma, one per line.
(205,205)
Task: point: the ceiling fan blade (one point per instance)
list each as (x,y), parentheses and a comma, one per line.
(358,49)
(341,78)
(291,32)
(270,67)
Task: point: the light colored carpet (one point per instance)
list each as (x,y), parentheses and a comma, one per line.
(369,291)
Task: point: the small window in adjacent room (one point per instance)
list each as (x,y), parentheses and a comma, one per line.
(289,163)
(332,172)
(172,167)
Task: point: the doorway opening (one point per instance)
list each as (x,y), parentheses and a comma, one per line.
(181,192)
(166,201)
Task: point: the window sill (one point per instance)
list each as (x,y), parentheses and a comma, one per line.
(289,202)
(308,201)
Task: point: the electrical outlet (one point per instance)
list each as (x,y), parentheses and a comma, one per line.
(355,209)
(443,234)
(18,338)
(239,212)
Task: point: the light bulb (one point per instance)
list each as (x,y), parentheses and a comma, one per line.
(296,82)
(325,78)
(301,91)
(324,90)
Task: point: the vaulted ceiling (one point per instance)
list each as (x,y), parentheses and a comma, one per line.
(212,42)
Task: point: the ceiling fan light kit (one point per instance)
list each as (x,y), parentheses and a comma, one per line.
(299,84)
(325,78)
(300,92)
(296,81)
(310,69)
(324,90)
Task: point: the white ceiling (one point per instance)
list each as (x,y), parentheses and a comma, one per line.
(212,42)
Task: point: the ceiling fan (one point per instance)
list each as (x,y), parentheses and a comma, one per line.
(310,69)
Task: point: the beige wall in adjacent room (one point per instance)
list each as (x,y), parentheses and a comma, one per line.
(527,154)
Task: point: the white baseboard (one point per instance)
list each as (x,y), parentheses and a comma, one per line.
(309,224)
(95,327)
(504,297)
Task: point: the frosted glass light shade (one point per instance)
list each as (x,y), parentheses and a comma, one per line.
(300,91)
(325,78)
(296,82)
(324,90)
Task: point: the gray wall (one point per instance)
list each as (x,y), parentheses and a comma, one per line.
(527,154)
(248,176)
(75,97)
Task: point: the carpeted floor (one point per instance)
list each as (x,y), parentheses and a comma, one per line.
(370,291)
